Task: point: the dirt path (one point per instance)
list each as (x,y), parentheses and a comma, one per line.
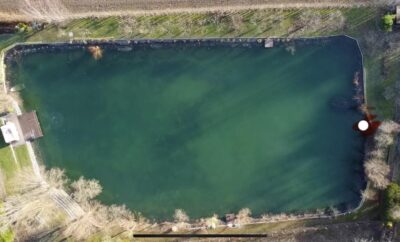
(57,10)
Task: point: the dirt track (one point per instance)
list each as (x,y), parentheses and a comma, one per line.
(14,10)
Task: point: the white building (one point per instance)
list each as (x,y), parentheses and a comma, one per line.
(17,129)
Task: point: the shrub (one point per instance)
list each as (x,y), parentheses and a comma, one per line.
(388,21)
(22,27)
(7,236)
(391,203)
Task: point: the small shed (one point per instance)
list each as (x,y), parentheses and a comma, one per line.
(10,132)
(18,129)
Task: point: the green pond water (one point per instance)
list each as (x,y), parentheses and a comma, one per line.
(205,129)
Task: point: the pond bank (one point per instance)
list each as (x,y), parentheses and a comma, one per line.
(122,46)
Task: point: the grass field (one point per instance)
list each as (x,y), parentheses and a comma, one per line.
(7,163)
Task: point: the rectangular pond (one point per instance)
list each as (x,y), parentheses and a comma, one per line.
(207,127)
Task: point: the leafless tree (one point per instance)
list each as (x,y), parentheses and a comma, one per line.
(334,20)
(389,127)
(312,21)
(377,171)
(84,190)
(243,216)
(180,216)
(93,221)
(122,219)
(237,21)
(31,209)
(127,25)
(181,220)
(45,10)
(54,177)
(376,168)
(395,213)
(369,194)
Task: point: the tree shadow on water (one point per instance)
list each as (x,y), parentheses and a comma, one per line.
(2,142)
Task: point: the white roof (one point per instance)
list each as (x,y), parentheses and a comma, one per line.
(10,132)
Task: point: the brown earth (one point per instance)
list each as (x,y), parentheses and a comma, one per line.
(57,10)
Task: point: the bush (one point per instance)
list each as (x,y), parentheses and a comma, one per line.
(388,21)
(7,236)
(391,203)
(22,27)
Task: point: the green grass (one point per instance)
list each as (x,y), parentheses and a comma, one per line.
(370,209)
(7,163)
(248,23)
(23,156)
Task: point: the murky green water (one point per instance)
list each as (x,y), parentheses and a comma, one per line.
(205,129)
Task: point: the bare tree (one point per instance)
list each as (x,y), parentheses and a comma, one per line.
(243,216)
(45,10)
(180,216)
(376,168)
(383,140)
(54,177)
(31,209)
(84,190)
(93,221)
(389,127)
(369,194)
(237,21)
(395,213)
(313,20)
(181,220)
(127,25)
(377,171)
(122,219)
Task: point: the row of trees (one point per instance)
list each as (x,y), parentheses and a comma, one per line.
(273,21)
(376,168)
(34,210)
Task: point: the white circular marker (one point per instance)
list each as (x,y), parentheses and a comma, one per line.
(363,125)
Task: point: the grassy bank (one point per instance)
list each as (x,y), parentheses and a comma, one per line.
(361,23)
(7,162)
